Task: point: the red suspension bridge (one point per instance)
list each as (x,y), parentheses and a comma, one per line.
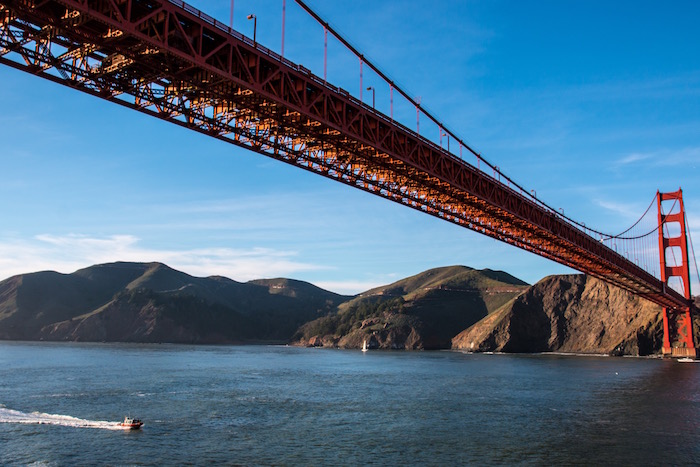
(169,60)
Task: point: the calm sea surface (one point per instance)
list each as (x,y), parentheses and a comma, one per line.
(257,405)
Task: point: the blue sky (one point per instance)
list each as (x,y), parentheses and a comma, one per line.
(593,104)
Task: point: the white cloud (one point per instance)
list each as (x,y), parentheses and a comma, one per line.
(622,209)
(71,252)
(687,157)
(349,287)
(632,158)
(693,222)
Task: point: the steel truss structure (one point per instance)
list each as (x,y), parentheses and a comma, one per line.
(678,323)
(171,61)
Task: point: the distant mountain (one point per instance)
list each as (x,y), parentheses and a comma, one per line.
(452,307)
(569,313)
(424,311)
(150,302)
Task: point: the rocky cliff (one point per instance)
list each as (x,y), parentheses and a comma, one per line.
(458,307)
(424,311)
(571,313)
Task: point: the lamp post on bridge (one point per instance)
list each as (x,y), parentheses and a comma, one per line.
(444,133)
(370,88)
(255,27)
(418,99)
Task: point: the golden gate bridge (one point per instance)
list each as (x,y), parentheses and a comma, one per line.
(172,61)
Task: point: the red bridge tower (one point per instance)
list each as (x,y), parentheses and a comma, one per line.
(678,323)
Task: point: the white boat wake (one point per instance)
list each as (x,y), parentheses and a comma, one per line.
(38,418)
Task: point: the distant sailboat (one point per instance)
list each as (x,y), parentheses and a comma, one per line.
(364,346)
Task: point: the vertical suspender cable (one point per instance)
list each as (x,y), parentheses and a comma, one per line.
(692,249)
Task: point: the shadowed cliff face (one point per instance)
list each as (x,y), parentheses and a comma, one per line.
(572,313)
(150,302)
(420,312)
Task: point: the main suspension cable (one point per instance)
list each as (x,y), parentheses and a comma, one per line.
(524,192)
(692,249)
(620,235)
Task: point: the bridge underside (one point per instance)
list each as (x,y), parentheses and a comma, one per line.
(168,60)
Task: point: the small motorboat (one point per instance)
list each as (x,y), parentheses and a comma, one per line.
(131,423)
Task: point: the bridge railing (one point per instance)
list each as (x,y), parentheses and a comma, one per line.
(324,83)
(497,175)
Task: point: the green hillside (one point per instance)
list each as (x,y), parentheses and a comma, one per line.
(424,311)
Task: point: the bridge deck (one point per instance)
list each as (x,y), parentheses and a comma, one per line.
(169,60)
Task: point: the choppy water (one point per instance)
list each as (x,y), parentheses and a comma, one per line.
(59,405)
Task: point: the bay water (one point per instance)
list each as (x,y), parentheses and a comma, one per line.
(276,405)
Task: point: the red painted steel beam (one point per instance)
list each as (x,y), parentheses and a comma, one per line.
(169,60)
(678,323)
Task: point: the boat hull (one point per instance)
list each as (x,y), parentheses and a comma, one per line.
(131,426)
